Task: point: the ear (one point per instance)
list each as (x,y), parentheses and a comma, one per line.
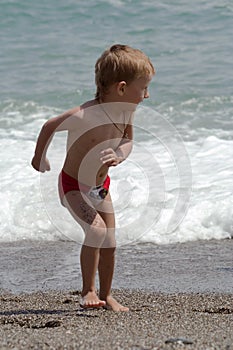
(121,87)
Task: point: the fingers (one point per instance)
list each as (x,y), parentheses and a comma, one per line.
(43,169)
(40,165)
(109,157)
(107,151)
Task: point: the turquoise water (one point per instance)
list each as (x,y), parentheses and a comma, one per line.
(49,48)
(48,53)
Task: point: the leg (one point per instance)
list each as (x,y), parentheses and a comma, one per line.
(89,259)
(107,257)
(95,232)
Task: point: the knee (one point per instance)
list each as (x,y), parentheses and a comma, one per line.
(109,243)
(95,233)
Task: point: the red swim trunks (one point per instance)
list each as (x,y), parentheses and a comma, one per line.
(67,183)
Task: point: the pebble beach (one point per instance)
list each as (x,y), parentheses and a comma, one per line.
(177,284)
(180,297)
(54,320)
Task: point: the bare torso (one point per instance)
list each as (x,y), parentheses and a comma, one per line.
(91,133)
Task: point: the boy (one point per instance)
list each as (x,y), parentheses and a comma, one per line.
(99,136)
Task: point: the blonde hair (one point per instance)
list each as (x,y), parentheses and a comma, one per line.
(120,63)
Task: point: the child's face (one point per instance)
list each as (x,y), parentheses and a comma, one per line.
(137,90)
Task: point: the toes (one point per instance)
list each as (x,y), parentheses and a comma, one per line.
(113,305)
(91,303)
(124,309)
(102,302)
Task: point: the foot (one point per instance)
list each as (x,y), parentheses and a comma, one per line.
(112,304)
(91,300)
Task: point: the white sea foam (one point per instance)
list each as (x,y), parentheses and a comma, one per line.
(145,188)
(192,89)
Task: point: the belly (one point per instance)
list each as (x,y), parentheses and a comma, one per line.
(89,174)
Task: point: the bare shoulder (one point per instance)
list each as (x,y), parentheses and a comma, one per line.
(73,110)
(71,118)
(78,111)
(88,104)
(66,120)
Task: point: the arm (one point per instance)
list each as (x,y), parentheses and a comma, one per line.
(113,158)
(60,123)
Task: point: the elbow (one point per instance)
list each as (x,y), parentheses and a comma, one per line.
(47,129)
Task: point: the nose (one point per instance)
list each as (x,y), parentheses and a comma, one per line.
(146,95)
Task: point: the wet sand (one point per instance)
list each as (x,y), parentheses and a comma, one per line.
(192,267)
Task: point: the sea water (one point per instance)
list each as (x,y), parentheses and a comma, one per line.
(176,186)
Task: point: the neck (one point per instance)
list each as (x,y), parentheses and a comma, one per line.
(110,98)
(116,106)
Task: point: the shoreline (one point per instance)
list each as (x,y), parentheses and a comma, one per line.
(54,320)
(192,267)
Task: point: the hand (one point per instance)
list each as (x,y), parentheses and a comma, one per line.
(109,157)
(41,165)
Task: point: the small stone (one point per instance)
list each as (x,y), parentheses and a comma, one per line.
(179,341)
(53,323)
